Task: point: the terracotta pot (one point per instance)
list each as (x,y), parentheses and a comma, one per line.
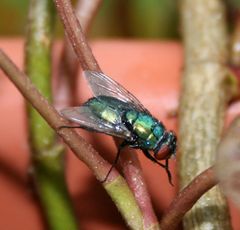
(151,71)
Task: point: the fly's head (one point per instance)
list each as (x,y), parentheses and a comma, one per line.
(166,147)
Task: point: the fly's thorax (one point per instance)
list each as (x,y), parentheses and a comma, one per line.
(103,110)
(148,130)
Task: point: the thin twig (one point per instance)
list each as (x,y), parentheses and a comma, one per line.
(76,35)
(187,198)
(67,90)
(116,186)
(81,148)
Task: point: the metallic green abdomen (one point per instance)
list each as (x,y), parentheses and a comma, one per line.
(148,129)
(140,125)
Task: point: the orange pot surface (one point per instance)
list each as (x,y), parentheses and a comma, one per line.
(151,71)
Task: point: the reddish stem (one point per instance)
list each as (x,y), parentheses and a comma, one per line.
(80,147)
(187,198)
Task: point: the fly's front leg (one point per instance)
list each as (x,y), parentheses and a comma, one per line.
(121,146)
(150,157)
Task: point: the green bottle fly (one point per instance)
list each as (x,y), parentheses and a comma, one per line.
(116,112)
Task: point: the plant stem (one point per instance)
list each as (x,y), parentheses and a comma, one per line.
(133,174)
(86,58)
(202,105)
(79,146)
(187,198)
(76,35)
(235,41)
(46,153)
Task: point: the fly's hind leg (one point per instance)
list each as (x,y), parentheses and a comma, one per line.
(168,172)
(150,157)
(121,146)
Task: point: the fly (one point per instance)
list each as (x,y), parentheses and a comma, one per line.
(116,112)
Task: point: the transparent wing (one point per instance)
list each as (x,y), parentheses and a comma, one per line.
(86,119)
(104,85)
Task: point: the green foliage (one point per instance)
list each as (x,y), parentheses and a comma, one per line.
(116,18)
(152,18)
(235,3)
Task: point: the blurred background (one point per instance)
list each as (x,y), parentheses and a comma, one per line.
(153,19)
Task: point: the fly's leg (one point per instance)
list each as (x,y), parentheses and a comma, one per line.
(121,146)
(168,172)
(150,157)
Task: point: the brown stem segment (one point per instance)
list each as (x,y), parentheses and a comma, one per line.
(116,185)
(80,147)
(68,67)
(187,198)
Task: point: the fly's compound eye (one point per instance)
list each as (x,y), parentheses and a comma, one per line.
(167,147)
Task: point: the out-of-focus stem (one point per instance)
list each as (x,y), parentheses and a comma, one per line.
(235,42)
(69,64)
(46,153)
(228,162)
(76,35)
(85,12)
(202,105)
(80,147)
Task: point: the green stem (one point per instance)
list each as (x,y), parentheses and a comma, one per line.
(47,154)
(123,197)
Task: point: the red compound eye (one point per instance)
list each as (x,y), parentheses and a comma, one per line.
(163,153)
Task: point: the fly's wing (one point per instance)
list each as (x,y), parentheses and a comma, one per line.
(104,85)
(86,119)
